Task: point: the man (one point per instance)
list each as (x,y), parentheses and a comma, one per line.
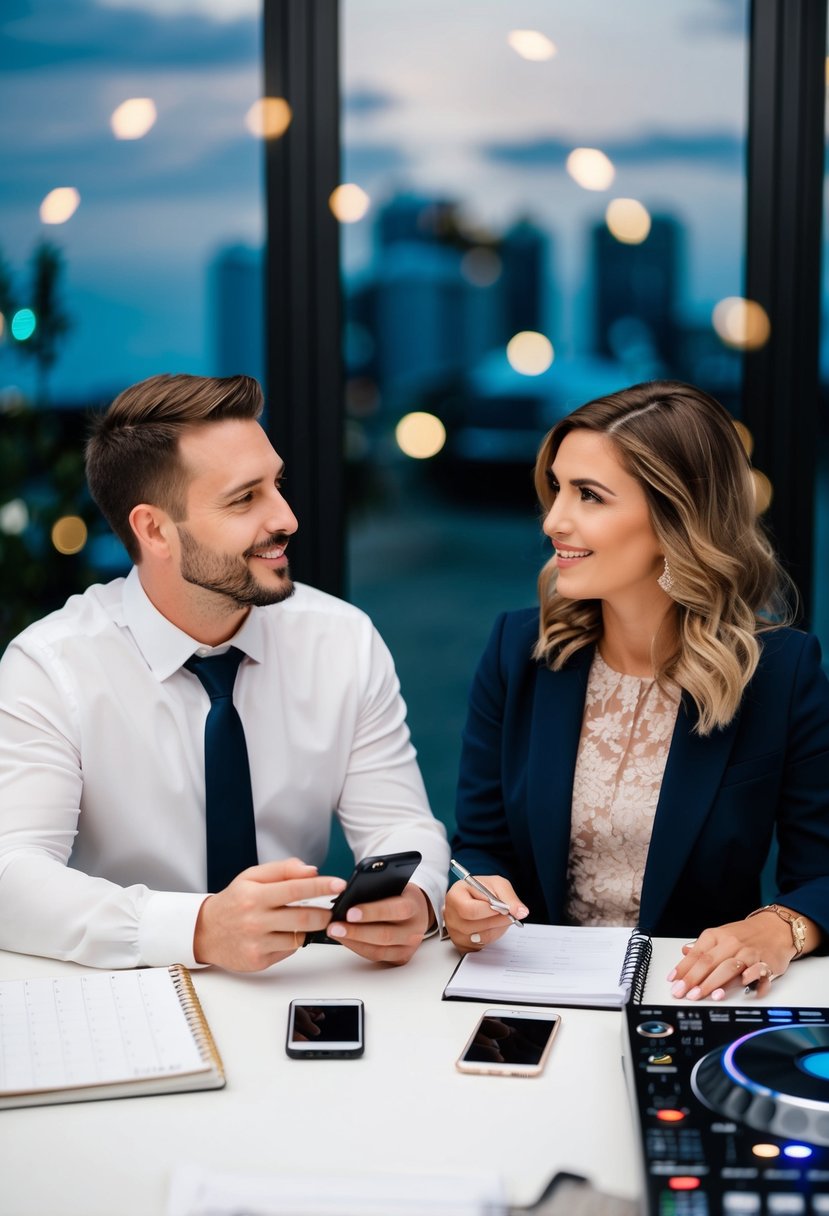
(106,753)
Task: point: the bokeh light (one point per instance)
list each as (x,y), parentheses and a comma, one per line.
(269,117)
(745,436)
(590,168)
(420,435)
(14,517)
(530,353)
(23,324)
(133,118)
(349,203)
(481,266)
(741,324)
(3,327)
(531,44)
(763,492)
(69,534)
(628,220)
(59,205)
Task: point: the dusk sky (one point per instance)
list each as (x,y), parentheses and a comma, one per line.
(436,101)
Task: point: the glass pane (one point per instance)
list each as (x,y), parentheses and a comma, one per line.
(820,566)
(547,214)
(132,226)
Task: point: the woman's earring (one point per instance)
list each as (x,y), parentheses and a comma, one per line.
(666,579)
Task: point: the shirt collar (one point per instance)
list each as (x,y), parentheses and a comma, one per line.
(165,647)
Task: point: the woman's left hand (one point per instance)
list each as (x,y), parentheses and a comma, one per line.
(745,952)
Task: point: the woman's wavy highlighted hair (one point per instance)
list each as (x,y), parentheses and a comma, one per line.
(682,447)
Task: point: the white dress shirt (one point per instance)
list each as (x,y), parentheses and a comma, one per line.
(102,837)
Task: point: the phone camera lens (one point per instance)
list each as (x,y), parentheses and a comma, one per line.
(378,865)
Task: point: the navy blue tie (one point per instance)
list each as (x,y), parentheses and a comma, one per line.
(231,830)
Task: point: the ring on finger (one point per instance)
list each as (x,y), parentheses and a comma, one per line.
(741,966)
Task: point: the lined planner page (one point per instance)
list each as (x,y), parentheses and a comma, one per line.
(92,1030)
(546,963)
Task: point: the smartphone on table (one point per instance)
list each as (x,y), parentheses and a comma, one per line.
(510,1042)
(325,1028)
(376,878)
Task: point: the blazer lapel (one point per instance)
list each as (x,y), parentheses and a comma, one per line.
(692,778)
(558,708)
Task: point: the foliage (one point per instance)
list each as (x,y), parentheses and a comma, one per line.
(42,480)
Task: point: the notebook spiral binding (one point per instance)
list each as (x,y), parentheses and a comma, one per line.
(635,966)
(190,1003)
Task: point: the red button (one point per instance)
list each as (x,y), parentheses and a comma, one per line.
(670,1116)
(683,1183)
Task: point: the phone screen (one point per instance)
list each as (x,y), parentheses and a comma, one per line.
(509,1041)
(325,1027)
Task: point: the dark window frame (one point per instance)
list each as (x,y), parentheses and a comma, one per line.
(787,47)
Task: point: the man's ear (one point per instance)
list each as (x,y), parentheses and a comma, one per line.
(153,530)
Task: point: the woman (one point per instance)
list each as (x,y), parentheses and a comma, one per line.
(627,759)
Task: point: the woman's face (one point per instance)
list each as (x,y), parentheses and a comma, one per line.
(599,524)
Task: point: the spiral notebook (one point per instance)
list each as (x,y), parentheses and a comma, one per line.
(601,967)
(104,1035)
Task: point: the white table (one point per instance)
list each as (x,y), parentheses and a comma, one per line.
(402,1108)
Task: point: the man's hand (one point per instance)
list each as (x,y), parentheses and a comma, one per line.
(386,930)
(251,924)
(470,921)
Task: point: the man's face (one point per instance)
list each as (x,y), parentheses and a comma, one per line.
(238,525)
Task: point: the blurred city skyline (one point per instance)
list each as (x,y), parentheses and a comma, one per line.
(435,102)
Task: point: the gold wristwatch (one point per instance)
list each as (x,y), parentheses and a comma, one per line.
(796,923)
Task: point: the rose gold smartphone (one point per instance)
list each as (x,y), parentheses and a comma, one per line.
(510,1043)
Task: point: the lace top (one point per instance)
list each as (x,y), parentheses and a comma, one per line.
(625,737)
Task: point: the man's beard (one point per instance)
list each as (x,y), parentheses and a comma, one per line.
(231,576)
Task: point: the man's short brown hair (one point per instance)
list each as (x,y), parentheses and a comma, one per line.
(132,454)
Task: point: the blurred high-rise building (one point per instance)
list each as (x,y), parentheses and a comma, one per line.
(236,301)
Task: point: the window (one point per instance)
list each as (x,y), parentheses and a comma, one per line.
(536,216)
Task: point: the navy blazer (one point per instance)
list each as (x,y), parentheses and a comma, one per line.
(722,795)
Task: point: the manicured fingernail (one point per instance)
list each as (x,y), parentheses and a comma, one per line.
(336,885)
(671,974)
(678,988)
(695,993)
(354,914)
(718,994)
(522,912)
(336,930)
(476,938)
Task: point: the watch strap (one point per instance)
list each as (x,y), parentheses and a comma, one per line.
(796,924)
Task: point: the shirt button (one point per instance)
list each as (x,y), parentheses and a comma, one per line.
(202,652)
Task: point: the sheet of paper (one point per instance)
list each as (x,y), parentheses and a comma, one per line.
(200,1192)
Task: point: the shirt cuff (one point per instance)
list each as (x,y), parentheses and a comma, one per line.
(166,928)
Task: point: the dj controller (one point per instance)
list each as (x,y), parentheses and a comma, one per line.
(733,1107)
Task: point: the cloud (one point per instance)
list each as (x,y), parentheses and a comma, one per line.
(368,101)
(724,148)
(71,33)
(718,18)
(362,162)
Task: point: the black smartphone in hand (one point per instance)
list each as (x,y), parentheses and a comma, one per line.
(376,878)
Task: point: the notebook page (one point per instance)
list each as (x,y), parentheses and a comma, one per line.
(537,959)
(92,1030)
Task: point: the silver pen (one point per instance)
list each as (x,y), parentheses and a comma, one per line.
(495,903)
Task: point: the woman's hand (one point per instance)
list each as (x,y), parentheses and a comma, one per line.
(470,921)
(745,952)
